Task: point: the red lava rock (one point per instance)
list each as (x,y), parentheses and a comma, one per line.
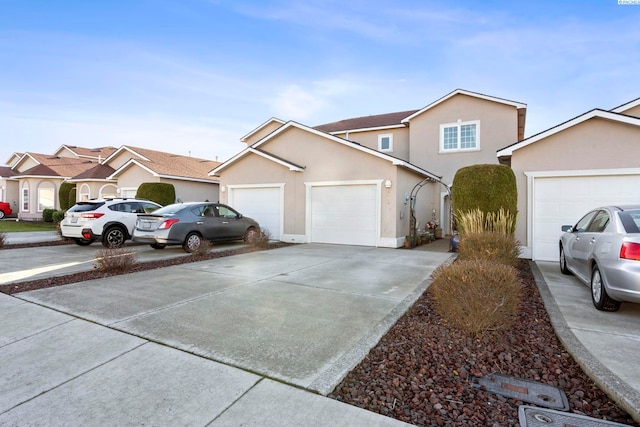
(421,352)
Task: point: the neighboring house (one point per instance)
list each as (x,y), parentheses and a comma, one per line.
(567,170)
(31,181)
(351,181)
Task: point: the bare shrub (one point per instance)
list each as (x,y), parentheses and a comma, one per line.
(477,221)
(490,246)
(259,239)
(3,239)
(116,260)
(203,250)
(478,297)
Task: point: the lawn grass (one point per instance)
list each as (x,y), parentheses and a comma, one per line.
(9,226)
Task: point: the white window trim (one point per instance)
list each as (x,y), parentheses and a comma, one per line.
(385,135)
(459,124)
(22,207)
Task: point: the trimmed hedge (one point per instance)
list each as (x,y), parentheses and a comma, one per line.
(485,187)
(64,193)
(159,192)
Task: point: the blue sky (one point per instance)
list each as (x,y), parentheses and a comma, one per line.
(194,76)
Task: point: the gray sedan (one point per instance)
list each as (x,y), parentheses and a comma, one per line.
(190,224)
(603,250)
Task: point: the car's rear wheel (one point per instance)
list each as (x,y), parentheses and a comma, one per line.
(83,242)
(1,214)
(563,262)
(192,242)
(601,300)
(158,246)
(114,237)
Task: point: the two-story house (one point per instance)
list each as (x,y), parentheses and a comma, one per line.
(354,181)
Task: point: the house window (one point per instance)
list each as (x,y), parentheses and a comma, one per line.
(460,136)
(385,142)
(25,200)
(85,193)
(45,199)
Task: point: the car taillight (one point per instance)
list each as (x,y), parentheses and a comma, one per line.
(92,215)
(630,250)
(167,223)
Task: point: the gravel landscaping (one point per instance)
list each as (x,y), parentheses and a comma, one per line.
(420,371)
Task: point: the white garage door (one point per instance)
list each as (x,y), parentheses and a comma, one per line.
(562,201)
(344,214)
(260,203)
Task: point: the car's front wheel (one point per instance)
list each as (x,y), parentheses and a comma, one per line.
(192,242)
(563,262)
(114,237)
(601,300)
(83,242)
(1,214)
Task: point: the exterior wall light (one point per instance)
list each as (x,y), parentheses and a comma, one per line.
(387,183)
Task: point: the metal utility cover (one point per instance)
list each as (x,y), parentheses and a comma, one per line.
(527,391)
(530,416)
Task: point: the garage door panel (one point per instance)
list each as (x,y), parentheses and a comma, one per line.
(260,203)
(344,214)
(562,201)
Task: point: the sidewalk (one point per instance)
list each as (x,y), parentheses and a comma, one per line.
(31,237)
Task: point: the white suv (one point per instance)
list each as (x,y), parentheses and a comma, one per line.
(108,220)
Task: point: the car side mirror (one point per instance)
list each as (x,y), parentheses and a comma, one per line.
(567,228)
(239,216)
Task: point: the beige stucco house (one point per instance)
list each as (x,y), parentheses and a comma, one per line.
(565,171)
(30,181)
(353,181)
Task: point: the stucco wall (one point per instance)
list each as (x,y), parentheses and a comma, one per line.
(594,144)
(635,111)
(190,191)
(370,139)
(324,161)
(33,184)
(498,129)
(266,130)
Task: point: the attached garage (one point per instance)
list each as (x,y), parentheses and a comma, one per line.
(260,202)
(343,213)
(562,200)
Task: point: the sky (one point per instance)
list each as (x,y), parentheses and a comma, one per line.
(192,77)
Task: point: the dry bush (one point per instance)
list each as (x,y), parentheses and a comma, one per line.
(477,221)
(490,246)
(116,260)
(259,239)
(476,296)
(3,239)
(203,250)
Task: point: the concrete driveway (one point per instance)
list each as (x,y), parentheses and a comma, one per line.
(303,316)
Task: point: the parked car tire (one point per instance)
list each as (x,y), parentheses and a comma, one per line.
(249,234)
(192,242)
(563,262)
(83,242)
(1,214)
(114,237)
(158,246)
(601,300)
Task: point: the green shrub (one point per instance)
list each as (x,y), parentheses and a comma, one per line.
(72,199)
(478,297)
(485,187)
(115,260)
(490,246)
(159,192)
(58,216)
(63,195)
(47,215)
(259,239)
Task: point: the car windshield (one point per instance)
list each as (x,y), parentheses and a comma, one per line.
(631,220)
(86,206)
(169,209)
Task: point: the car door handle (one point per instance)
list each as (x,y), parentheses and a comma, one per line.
(225,222)
(199,223)
(593,240)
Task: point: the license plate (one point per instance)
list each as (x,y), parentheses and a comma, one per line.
(74,220)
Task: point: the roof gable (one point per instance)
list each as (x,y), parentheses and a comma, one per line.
(271,121)
(595,113)
(626,106)
(98,153)
(517,105)
(56,166)
(291,124)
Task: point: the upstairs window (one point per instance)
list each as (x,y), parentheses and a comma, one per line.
(385,142)
(460,136)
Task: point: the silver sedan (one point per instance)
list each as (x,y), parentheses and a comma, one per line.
(603,250)
(191,224)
